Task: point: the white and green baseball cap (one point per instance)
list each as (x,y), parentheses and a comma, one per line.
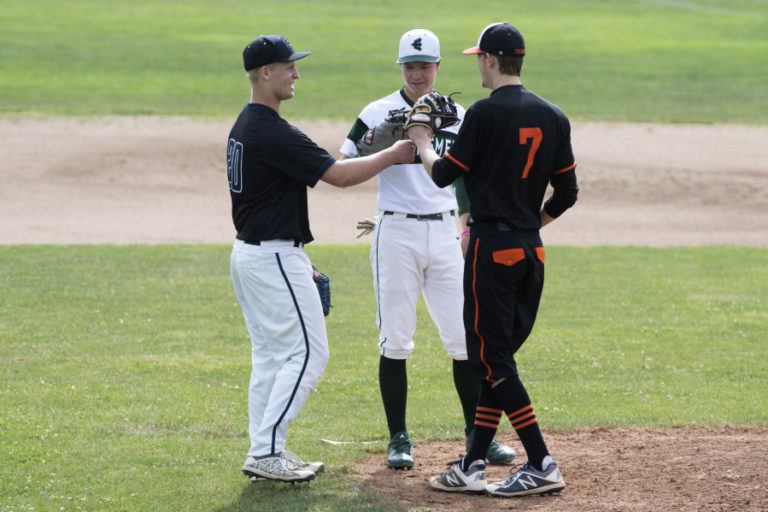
(419,45)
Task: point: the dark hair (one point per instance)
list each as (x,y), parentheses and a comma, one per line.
(509,65)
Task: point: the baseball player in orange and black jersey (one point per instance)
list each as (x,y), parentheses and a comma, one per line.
(511,146)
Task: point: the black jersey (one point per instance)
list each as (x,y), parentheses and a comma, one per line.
(270,164)
(509,148)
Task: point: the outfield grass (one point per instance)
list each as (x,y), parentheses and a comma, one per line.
(124,369)
(630,60)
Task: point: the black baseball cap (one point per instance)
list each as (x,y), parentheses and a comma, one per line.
(268,49)
(499,39)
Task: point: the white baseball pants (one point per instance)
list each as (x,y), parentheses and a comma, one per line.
(282,310)
(411,257)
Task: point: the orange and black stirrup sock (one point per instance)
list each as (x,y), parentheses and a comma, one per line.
(514,399)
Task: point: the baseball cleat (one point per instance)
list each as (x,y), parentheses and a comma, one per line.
(277,468)
(315,467)
(529,480)
(456,480)
(498,454)
(399,454)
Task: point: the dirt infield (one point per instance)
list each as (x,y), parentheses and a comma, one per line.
(159,180)
(682,469)
(155,180)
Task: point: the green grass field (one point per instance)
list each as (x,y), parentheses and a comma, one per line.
(697,61)
(125,368)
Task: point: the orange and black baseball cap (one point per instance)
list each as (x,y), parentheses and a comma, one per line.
(268,49)
(499,39)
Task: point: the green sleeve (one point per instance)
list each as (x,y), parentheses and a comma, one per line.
(461,195)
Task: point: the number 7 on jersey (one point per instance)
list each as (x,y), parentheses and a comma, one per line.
(535,135)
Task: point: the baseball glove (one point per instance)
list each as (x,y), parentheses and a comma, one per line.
(323,284)
(434,111)
(384,134)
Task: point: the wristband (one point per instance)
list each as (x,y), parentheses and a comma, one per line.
(465,233)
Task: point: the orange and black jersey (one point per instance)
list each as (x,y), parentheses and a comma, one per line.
(509,148)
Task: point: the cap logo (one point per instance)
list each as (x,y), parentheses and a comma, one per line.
(417,44)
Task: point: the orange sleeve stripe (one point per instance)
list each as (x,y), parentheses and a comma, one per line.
(456,161)
(570,167)
(518,427)
(484,424)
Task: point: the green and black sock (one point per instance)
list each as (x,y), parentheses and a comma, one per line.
(393,382)
(468,388)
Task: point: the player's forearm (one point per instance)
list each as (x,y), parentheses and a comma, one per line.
(464,222)
(427,153)
(347,172)
(561,199)
(464,235)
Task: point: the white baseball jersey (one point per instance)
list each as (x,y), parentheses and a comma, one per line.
(413,256)
(405,187)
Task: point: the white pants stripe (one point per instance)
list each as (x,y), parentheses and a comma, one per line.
(284,317)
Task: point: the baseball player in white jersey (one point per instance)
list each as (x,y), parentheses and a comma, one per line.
(415,251)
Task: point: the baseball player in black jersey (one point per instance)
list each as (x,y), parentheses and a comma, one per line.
(511,146)
(270,164)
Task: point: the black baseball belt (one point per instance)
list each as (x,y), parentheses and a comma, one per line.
(296,243)
(426,216)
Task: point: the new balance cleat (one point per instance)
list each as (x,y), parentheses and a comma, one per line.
(277,468)
(456,480)
(315,467)
(529,480)
(399,455)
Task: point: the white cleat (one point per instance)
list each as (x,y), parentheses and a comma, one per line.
(456,480)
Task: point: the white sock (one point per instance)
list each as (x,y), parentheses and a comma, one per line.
(545,462)
(474,463)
